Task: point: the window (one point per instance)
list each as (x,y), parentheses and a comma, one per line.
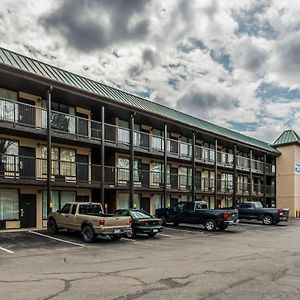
(140,214)
(157,140)
(73,211)
(9,160)
(157,168)
(66,209)
(59,199)
(123,169)
(123,132)
(9,204)
(8,108)
(63,161)
(137,135)
(62,117)
(122,213)
(123,200)
(185,147)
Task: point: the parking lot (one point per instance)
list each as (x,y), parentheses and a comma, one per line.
(249,261)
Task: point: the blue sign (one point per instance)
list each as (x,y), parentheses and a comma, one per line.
(297,168)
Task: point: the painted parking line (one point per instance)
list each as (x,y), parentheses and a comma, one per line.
(167,235)
(6,250)
(185,230)
(57,239)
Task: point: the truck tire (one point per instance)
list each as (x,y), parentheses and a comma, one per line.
(115,237)
(163,221)
(88,234)
(210,225)
(223,227)
(52,227)
(267,220)
(152,234)
(130,235)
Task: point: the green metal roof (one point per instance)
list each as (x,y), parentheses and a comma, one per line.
(287,137)
(51,72)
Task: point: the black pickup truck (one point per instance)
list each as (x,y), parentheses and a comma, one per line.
(196,212)
(268,216)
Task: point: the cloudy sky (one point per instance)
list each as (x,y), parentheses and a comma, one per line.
(235,63)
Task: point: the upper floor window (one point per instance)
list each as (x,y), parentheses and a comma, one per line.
(7,105)
(123,132)
(9,160)
(62,117)
(157,140)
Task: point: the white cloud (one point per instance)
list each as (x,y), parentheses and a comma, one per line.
(196,55)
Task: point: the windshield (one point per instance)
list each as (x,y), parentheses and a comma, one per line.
(258,205)
(140,214)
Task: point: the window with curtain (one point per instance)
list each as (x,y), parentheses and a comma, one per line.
(123,169)
(136,171)
(137,135)
(185,147)
(8,107)
(59,199)
(157,140)
(9,160)
(157,169)
(67,162)
(62,117)
(156,201)
(63,161)
(182,171)
(123,132)
(55,202)
(9,204)
(123,201)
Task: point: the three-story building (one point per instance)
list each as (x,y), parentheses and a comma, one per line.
(65,138)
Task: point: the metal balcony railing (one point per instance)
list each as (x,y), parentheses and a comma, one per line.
(205,155)
(243,163)
(225,159)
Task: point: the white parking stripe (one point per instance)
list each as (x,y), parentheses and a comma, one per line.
(180,229)
(167,235)
(130,240)
(6,250)
(56,239)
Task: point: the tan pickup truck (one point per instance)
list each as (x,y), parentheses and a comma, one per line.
(89,219)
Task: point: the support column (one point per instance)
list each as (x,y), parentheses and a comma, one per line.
(193,167)
(251,176)
(131,162)
(165,163)
(49,153)
(102,155)
(216,172)
(265,182)
(234,176)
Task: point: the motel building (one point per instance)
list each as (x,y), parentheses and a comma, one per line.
(65,138)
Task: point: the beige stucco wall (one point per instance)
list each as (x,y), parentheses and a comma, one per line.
(288,183)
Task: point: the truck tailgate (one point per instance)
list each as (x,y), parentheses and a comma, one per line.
(233,215)
(116,221)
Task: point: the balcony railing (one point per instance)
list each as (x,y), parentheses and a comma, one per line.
(24,169)
(225,159)
(243,163)
(205,155)
(35,117)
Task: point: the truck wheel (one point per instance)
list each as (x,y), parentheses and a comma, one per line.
(131,234)
(115,237)
(210,225)
(163,221)
(223,227)
(52,227)
(267,220)
(152,234)
(87,234)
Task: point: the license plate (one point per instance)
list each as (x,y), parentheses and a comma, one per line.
(117,231)
(155,230)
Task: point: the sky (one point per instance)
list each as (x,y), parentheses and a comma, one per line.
(234,63)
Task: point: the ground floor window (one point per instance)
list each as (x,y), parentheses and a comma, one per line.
(9,204)
(123,201)
(59,199)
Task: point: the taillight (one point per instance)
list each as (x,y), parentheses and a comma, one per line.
(280,211)
(130,221)
(225,215)
(101,222)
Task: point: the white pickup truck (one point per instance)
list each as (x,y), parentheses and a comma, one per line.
(89,219)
